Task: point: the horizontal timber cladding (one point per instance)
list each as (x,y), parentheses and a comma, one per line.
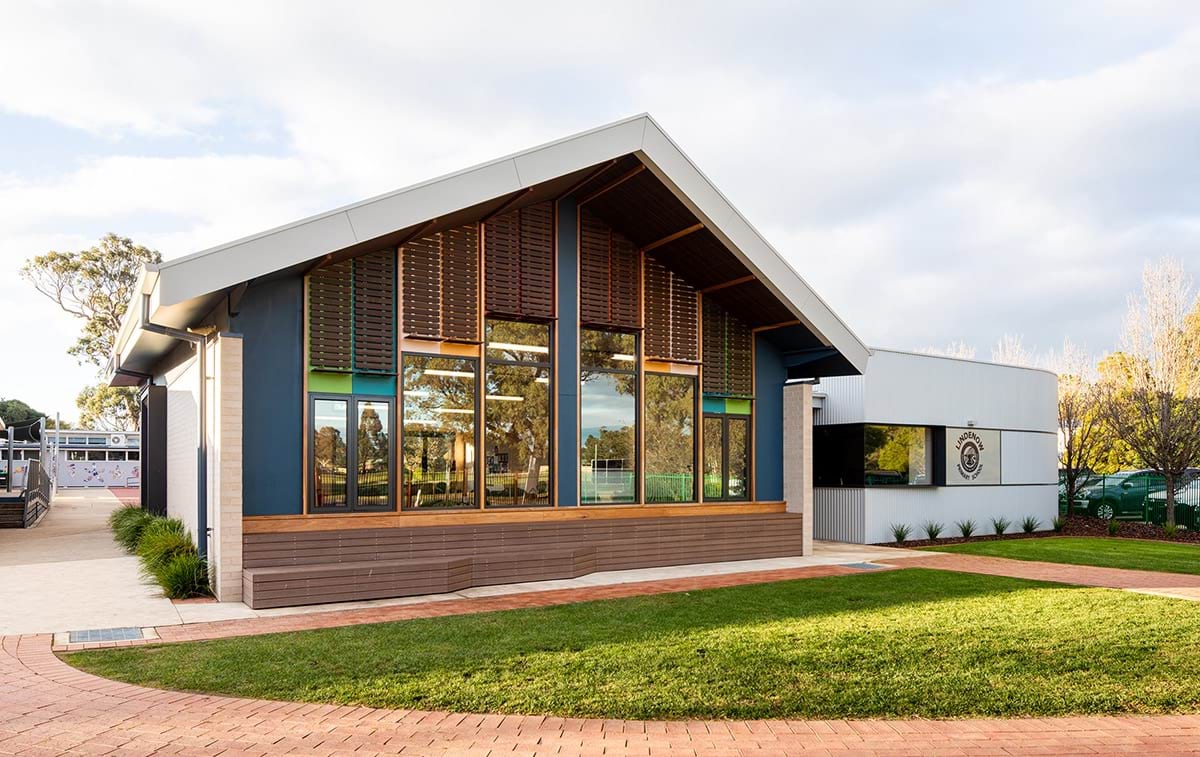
(375,312)
(440,286)
(609,276)
(309,567)
(671,315)
(728,347)
(330,317)
(518,253)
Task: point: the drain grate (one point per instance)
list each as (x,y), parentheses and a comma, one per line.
(864,566)
(105,634)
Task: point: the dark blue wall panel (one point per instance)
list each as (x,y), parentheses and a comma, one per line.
(567,462)
(271,323)
(769,375)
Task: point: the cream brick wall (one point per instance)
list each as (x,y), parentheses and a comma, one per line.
(797,455)
(225,468)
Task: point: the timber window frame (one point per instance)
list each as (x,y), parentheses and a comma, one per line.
(618,365)
(696,421)
(470,468)
(520,363)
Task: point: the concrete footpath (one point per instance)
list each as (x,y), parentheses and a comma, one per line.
(67,574)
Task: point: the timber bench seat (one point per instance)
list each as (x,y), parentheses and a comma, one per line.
(314,567)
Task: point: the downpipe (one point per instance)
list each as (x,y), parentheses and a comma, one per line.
(199,341)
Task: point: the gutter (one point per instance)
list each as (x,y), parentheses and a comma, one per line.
(199,341)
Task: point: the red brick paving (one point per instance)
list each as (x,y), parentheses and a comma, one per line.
(128,495)
(48,707)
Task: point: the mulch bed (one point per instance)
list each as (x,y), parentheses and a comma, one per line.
(1079,525)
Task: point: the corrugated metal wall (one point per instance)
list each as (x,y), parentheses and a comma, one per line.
(839,514)
(843,401)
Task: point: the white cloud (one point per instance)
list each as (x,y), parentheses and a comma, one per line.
(936,173)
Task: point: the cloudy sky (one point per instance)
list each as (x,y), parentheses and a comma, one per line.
(937,171)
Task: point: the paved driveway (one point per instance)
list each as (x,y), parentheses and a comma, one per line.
(67,574)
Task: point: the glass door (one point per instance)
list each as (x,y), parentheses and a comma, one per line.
(726,458)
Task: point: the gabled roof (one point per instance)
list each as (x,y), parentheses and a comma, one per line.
(182,290)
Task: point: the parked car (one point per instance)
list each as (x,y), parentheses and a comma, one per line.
(1122,496)
(1187,500)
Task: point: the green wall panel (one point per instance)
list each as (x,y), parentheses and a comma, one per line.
(737,407)
(368,384)
(326,382)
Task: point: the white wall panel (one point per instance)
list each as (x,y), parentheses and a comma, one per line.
(947,504)
(936,391)
(182,407)
(838,514)
(1029,458)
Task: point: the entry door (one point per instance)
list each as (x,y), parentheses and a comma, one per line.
(726,457)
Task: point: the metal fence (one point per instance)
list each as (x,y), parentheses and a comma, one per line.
(1140,497)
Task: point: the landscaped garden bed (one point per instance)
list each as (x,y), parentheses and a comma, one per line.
(902,643)
(1078,525)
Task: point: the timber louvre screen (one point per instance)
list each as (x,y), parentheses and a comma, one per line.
(518,251)
(352,314)
(671,317)
(609,276)
(441,285)
(727,353)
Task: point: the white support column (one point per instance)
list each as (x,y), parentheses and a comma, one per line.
(797,455)
(225,469)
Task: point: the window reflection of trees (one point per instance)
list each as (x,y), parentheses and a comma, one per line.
(670,430)
(608,416)
(896,455)
(438,450)
(517,414)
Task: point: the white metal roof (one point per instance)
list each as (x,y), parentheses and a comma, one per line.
(182,289)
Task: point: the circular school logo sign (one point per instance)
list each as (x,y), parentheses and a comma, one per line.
(970,455)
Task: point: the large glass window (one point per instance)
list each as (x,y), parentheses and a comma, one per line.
(608,417)
(439,399)
(517,414)
(897,455)
(726,457)
(671,431)
(349,476)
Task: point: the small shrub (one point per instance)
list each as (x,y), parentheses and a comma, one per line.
(900,532)
(1170,529)
(966,528)
(127,524)
(1114,528)
(184,575)
(933,529)
(1029,524)
(1058,523)
(162,540)
(1000,525)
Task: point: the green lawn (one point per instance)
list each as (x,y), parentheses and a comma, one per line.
(1090,550)
(897,643)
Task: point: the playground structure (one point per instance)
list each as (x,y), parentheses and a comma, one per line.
(26,486)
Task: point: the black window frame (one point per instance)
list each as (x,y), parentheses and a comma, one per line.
(352,505)
(697,422)
(481,391)
(725,418)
